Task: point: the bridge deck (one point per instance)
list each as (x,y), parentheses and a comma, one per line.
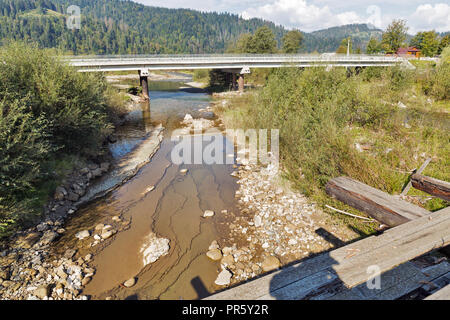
(183,62)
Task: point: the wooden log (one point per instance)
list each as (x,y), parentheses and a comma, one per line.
(422,167)
(378,204)
(435,187)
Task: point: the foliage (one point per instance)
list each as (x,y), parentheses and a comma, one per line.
(373,46)
(445,42)
(394,36)
(292,41)
(47,111)
(346,45)
(263,41)
(124,27)
(322,116)
(427,42)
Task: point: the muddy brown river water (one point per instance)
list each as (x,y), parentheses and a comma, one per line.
(172,210)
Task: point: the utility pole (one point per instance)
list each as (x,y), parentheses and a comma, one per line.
(348,46)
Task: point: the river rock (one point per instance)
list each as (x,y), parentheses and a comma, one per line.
(224,278)
(214,254)
(97,172)
(213,245)
(227,260)
(69,253)
(60,193)
(130,282)
(41,227)
(208,213)
(106,234)
(82,234)
(29,240)
(49,236)
(153,248)
(42,291)
(104,166)
(257,221)
(99,227)
(72,196)
(183,171)
(270,263)
(188,119)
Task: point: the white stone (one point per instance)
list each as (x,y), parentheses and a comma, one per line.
(82,234)
(153,248)
(208,213)
(130,282)
(224,278)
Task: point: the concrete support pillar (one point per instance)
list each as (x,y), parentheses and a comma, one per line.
(241,82)
(143,80)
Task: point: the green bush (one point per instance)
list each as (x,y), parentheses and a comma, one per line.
(48,111)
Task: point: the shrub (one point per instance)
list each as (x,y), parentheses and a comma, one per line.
(48,110)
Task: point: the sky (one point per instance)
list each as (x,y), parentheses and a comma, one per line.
(310,15)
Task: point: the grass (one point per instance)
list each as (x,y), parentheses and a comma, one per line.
(325,117)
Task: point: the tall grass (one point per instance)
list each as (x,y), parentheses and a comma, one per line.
(325,117)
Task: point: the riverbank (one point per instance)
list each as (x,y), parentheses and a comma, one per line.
(30,268)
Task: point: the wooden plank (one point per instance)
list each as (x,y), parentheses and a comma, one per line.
(353,271)
(256,288)
(435,187)
(300,289)
(443,294)
(408,186)
(378,204)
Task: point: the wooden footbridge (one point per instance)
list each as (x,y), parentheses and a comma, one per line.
(400,256)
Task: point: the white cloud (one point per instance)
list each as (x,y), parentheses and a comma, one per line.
(300,14)
(428,17)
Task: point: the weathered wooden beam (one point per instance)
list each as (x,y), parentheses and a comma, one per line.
(378,204)
(435,187)
(422,167)
(347,266)
(443,294)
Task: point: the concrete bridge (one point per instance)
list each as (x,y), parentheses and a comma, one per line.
(237,65)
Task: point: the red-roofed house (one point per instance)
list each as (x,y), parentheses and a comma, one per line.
(409,51)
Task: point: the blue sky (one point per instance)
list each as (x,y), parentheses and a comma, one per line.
(310,15)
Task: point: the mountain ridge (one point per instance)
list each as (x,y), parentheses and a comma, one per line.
(127,27)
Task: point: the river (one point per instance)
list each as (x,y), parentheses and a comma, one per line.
(173,209)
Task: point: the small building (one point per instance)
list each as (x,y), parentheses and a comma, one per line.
(408,52)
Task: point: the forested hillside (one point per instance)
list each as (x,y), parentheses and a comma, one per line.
(328,40)
(123,27)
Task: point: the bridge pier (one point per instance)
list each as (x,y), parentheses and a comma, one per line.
(143,80)
(241,82)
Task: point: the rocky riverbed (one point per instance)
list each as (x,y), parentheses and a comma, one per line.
(30,268)
(276,225)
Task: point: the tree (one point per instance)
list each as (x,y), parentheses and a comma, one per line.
(394,36)
(292,41)
(373,46)
(445,42)
(427,42)
(263,41)
(346,43)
